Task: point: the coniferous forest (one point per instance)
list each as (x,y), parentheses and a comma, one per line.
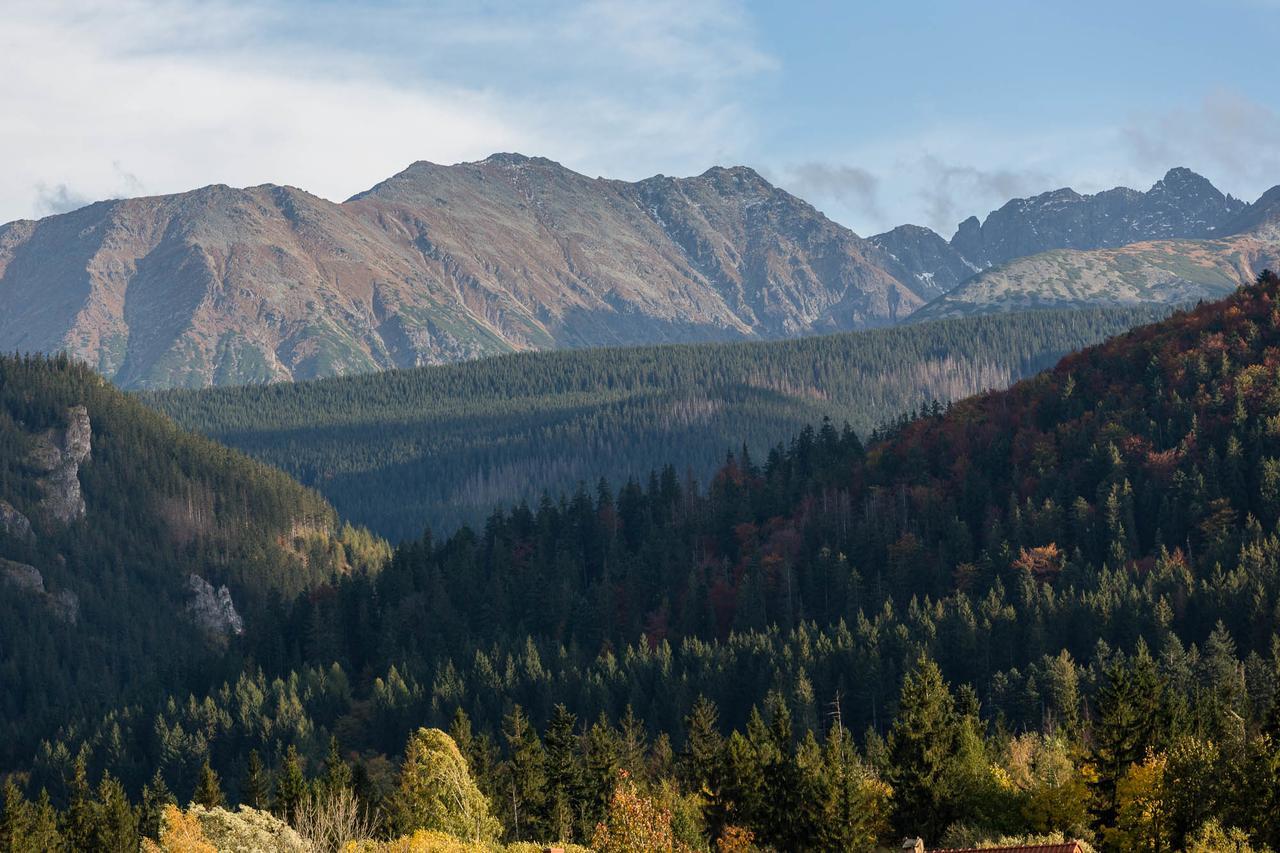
(1043,612)
(447,445)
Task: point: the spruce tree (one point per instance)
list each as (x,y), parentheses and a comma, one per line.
(80,826)
(15,825)
(922,742)
(564,773)
(291,786)
(700,762)
(208,792)
(117,820)
(1118,736)
(601,771)
(633,744)
(42,834)
(155,796)
(255,791)
(337,773)
(525,775)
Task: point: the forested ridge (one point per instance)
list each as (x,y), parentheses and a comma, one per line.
(446,445)
(1046,610)
(95,568)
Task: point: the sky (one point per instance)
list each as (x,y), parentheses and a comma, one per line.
(879,113)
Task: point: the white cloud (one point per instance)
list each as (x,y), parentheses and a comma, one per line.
(106,99)
(1230,136)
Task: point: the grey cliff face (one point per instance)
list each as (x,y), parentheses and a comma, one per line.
(58,454)
(14,523)
(921,254)
(212,609)
(1181,205)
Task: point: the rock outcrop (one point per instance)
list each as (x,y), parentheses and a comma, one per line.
(64,604)
(58,455)
(921,254)
(1181,205)
(14,523)
(212,609)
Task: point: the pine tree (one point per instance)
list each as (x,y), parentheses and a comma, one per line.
(208,792)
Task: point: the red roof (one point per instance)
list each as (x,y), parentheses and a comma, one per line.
(1064,847)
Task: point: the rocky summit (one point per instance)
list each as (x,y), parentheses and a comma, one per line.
(436,264)
(446,263)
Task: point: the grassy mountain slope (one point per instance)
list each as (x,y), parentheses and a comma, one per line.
(1166,270)
(446,445)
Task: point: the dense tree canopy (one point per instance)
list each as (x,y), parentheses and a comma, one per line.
(1045,611)
(446,445)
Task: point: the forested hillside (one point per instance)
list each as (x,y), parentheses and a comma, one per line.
(1048,609)
(442,446)
(132,553)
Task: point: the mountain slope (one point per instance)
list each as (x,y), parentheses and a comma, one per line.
(921,255)
(436,264)
(1168,272)
(1090,558)
(1180,205)
(445,445)
(133,555)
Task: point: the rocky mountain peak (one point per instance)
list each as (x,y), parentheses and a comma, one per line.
(513,159)
(1261,216)
(1182,179)
(1182,204)
(923,255)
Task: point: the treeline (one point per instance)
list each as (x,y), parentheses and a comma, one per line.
(447,445)
(1135,765)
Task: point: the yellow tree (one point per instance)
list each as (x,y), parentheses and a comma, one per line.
(635,823)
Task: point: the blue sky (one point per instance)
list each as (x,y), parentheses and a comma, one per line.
(877,112)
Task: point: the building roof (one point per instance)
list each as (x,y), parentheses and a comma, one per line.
(1061,847)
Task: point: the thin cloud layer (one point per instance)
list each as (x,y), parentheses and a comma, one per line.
(184,94)
(105,98)
(1225,132)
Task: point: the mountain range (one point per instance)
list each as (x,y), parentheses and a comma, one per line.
(446,263)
